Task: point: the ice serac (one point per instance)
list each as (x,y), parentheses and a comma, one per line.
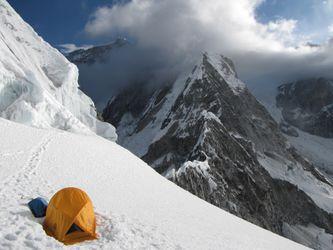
(38,86)
(208,134)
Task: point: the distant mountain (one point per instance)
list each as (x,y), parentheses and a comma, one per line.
(95,54)
(38,85)
(209,135)
(308,105)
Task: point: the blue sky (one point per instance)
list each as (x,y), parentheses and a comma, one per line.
(313,16)
(58,21)
(63,21)
(267,40)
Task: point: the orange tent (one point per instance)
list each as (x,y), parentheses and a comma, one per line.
(70,217)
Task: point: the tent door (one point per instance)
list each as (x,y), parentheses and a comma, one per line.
(74,228)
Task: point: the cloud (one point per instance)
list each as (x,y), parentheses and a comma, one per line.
(328,4)
(283,30)
(126,65)
(69,47)
(188,24)
(330,29)
(180,30)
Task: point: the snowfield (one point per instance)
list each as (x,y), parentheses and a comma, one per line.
(316,149)
(136,207)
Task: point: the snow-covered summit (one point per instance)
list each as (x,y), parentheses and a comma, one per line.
(38,86)
(224,67)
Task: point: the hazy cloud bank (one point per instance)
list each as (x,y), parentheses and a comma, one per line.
(176,32)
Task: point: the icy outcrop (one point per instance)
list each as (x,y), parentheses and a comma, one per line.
(38,86)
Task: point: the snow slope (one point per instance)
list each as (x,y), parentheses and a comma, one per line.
(38,86)
(136,207)
(315,148)
(321,193)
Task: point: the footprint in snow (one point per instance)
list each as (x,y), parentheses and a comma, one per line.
(10,237)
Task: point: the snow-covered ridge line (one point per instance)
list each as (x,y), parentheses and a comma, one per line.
(224,67)
(227,70)
(38,86)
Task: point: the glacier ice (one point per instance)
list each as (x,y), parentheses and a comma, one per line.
(38,86)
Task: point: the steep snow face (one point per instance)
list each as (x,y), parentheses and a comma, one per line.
(136,207)
(317,149)
(316,237)
(38,86)
(321,193)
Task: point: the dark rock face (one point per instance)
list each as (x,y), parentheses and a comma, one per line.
(94,54)
(308,105)
(208,134)
(131,100)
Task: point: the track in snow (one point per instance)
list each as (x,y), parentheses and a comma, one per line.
(15,193)
(22,177)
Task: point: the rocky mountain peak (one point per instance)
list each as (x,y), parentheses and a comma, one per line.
(224,67)
(208,134)
(223,63)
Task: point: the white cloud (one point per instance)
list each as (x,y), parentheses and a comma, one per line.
(283,30)
(328,4)
(181,29)
(69,47)
(330,29)
(185,24)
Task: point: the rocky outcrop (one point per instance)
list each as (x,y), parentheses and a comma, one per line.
(308,105)
(209,135)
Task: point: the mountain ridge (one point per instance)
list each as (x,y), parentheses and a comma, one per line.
(209,135)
